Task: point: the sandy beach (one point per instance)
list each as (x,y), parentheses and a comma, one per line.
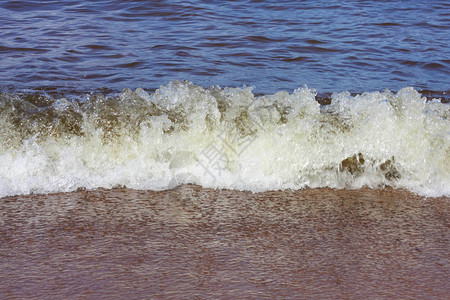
(197,243)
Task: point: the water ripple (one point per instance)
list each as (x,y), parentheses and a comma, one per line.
(329,45)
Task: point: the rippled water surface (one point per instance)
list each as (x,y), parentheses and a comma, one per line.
(273,45)
(192,242)
(195,243)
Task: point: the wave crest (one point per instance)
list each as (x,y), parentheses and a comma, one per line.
(223,138)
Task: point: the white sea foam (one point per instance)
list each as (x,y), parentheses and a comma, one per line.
(225,138)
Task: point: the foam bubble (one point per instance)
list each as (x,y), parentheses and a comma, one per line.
(224,138)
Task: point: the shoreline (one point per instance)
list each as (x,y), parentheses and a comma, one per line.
(387,189)
(195,242)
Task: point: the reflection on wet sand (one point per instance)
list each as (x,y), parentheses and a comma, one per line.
(192,242)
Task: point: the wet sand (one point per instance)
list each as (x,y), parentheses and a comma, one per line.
(196,243)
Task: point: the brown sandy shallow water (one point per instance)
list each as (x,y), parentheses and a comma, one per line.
(197,243)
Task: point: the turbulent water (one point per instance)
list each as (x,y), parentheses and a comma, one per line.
(64,124)
(223,138)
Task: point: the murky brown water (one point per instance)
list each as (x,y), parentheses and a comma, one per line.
(192,242)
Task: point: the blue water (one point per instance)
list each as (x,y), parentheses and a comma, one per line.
(331,46)
(197,119)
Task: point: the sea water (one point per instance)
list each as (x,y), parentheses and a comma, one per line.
(224,138)
(248,95)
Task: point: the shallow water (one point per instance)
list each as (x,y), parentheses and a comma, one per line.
(224,138)
(196,243)
(65,125)
(331,46)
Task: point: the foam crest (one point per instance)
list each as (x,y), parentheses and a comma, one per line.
(224,138)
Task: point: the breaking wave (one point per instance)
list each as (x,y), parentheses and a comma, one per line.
(223,138)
